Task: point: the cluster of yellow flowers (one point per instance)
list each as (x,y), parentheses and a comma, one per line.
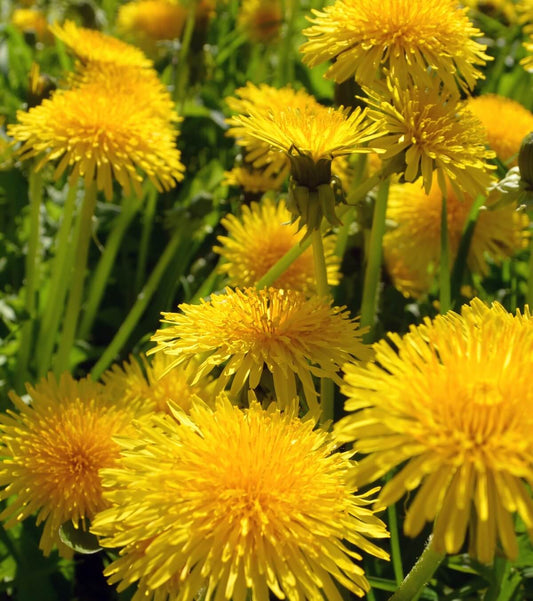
(211,464)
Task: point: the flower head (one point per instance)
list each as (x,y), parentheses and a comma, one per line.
(249,330)
(32,20)
(254,181)
(52,450)
(415,41)
(101,132)
(236,502)
(431,132)
(412,247)
(451,405)
(90,46)
(262,236)
(506,132)
(149,386)
(149,21)
(260,19)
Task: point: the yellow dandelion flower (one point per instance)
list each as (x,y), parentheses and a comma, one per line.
(52,450)
(311,136)
(412,247)
(260,19)
(32,20)
(142,85)
(90,46)
(416,41)
(255,181)
(235,503)
(431,131)
(252,98)
(248,330)
(150,21)
(506,131)
(148,386)
(452,408)
(263,235)
(101,132)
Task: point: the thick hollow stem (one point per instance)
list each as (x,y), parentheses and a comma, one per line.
(373,264)
(419,575)
(66,342)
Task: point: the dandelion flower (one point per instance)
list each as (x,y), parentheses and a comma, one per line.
(235,503)
(148,386)
(32,20)
(451,405)
(91,46)
(431,131)
(262,236)
(150,21)
(247,330)
(412,247)
(260,19)
(101,132)
(254,181)
(416,41)
(506,131)
(52,450)
(311,136)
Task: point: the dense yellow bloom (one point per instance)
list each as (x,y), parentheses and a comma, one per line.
(234,503)
(149,21)
(249,330)
(506,121)
(32,20)
(255,181)
(415,40)
(260,19)
(52,450)
(450,404)
(412,247)
(431,132)
(148,386)
(101,132)
(263,235)
(90,46)
(143,86)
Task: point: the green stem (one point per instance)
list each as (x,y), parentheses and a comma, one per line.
(344,232)
(182,67)
(66,342)
(58,285)
(445,297)
(144,297)
(358,193)
(530,276)
(32,275)
(283,264)
(419,575)
(373,266)
(148,222)
(105,264)
(286,62)
(461,259)
(396,551)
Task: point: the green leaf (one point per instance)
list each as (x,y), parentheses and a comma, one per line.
(78,539)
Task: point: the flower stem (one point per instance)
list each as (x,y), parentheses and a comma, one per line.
(144,297)
(445,298)
(419,575)
(286,64)
(68,333)
(32,276)
(105,265)
(373,266)
(396,552)
(147,225)
(283,264)
(58,285)
(529,297)
(182,67)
